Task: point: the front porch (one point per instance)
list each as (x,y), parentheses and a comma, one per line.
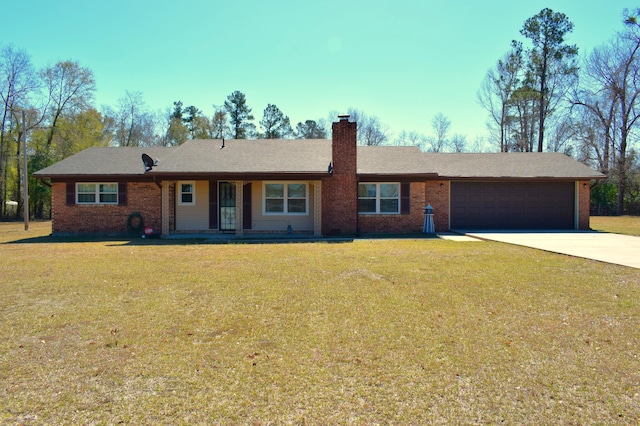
(219,208)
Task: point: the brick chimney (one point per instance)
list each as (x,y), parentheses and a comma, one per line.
(340,189)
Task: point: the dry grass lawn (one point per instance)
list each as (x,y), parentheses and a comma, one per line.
(629,225)
(368,332)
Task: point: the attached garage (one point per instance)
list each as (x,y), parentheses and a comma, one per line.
(513,205)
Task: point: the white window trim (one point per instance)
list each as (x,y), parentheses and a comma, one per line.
(97,193)
(284,213)
(193,194)
(378,198)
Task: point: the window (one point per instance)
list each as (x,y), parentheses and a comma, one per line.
(379,198)
(97,193)
(286,198)
(187,193)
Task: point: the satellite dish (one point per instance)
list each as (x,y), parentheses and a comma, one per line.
(148,162)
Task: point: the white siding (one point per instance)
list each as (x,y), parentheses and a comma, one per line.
(279,223)
(194,217)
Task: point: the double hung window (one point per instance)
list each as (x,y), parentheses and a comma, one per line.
(290,198)
(187,193)
(379,198)
(97,193)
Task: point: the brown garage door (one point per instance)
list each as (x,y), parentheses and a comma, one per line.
(512,205)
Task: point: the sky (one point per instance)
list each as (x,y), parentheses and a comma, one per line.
(403,61)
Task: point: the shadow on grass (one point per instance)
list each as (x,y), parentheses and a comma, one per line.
(194,240)
(137,241)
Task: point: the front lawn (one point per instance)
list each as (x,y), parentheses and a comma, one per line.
(367,332)
(629,225)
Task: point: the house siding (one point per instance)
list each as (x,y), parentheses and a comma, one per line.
(106,219)
(194,217)
(280,222)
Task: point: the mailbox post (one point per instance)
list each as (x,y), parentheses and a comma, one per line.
(429,227)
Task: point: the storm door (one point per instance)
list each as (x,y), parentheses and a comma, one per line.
(227,203)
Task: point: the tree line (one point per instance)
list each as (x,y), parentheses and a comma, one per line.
(540,96)
(544,97)
(61,120)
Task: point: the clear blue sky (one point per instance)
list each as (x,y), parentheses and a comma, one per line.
(403,61)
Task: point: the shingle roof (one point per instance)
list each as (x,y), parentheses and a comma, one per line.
(250,156)
(100,161)
(391,160)
(311,156)
(508,165)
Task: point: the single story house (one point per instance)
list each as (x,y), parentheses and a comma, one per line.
(317,187)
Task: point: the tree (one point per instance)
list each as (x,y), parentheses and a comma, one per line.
(239,115)
(219,122)
(459,142)
(441,125)
(310,129)
(18,81)
(521,121)
(190,117)
(498,87)
(371,131)
(551,60)
(70,90)
(201,128)
(611,96)
(177,111)
(132,124)
(77,132)
(276,125)
(177,132)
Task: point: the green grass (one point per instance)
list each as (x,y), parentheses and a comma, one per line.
(368,332)
(629,225)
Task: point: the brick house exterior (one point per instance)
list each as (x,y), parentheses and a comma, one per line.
(314,187)
(69,218)
(341,189)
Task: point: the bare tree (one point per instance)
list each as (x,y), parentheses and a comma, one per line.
(411,138)
(70,90)
(496,91)
(459,142)
(612,98)
(18,81)
(440,125)
(132,124)
(371,131)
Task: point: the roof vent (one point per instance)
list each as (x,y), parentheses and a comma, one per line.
(343,117)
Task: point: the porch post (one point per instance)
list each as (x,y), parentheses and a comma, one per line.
(239,197)
(317,208)
(166,206)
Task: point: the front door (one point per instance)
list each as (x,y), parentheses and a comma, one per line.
(227,197)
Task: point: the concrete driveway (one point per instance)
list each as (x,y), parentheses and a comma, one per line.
(611,248)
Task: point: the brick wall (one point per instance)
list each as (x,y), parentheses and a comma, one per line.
(437,193)
(340,189)
(584,204)
(142,197)
(398,223)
